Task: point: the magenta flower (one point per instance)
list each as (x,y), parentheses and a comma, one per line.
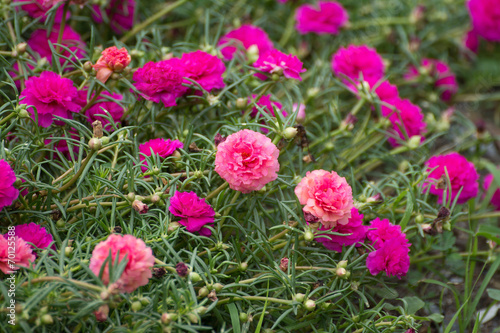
(301,114)
(276,62)
(8,193)
(267,105)
(325,18)
(462,174)
(194,212)
(244,37)
(159,146)
(39,8)
(354,233)
(445,79)
(326,196)
(96,111)
(495,199)
(35,234)
(63,145)
(484,15)
(384,90)
(471,41)
(392,258)
(23,254)
(120,15)
(51,95)
(349,63)
(159,82)
(203,68)
(380,231)
(407,120)
(139,258)
(247,160)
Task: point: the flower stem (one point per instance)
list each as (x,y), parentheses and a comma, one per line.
(60,279)
(255,298)
(4,120)
(77,175)
(216,191)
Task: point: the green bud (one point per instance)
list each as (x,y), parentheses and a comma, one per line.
(145,301)
(68,250)
(201,310)
(60,223)
(105,140)
(419,219)
(243,317)
(414,142)
(136,306)
(299,297)
(342,264)
(194,277)
(192,318)
(95,144)
(131,196)
(243,266)
(47,319)
(203,292)
(241,103)
(310,305)
(308,236)
(290,133)
(218,287)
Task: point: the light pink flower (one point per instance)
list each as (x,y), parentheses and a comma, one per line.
(247,160)
(354,60)
(159,146)
(301,114)
(112,60)
(244,37)
(159,82)
(485,18)
(444,78)
(119,13)
(23,254)
(8,193)
(392,258)
(96,111)
(276,62)
(325,18)
(51,95)
(407,120)
(354,233)
(495,199)
(139,258)
(194,212)
(326,196)
(462,174)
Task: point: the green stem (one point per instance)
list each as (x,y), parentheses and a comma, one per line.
(77,175)
(60,279)
(228,209)
(255,298)
(216,191)
(4,120)
(383,323)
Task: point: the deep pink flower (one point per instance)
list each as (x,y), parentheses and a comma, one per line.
(194,212)
(275,61)
(495,199)
(96,112)
(139,258)
(244,37)
(112,60)
(326,196)
(407,120)
(23,254)
(471,41)
(354,233)
(39,8)
(159,146)
(380,231)
(120,15)
(62,145)
(393,258)
(384,89)
(160,82)
(354,60)
(247,160)
(462,174)
(51,95)
(325,18)
(8,193)
(485,16)
(267,106)
(35,234)
(444,78)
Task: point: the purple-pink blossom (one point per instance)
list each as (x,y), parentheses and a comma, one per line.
(96,111)
(119,13)
(406,118)
(495,199)
(277,62)
(444,79)
(485,18)
(244,37)
(35,234)
(8,193)
(195,212)
(351,62)
(160,146)
(326,17)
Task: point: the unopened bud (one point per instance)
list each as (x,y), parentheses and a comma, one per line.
(241,103)
(275,77)
(342,264)
(172,227)
(155,198)
(47,319)
(95,144)
(102,313)
(136,306)
(243,267)
(284,264)
(299,297)
(243,317)
(140,207)
(290,133)
(131,196)
(166,318)
(68,250)
(203,292)
(419,219)
(105,140)
(310,305)
(253,53)
(218,287)
(308,236)
(414,142)
(194,277)
(182,269)
(341,272)
(192,318)
(87,66)
(21,48)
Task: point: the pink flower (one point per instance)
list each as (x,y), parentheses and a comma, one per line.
(407,120)
(267,106)
(380,231)
(301,114)
(349,63)
(325,18)
(495,199)
(112,60)
(392,258)
(139,258)
(471,41)
(462,174)
(384,89)
(275,61)
(39,43)
(484,15)
(159,82)
(445,79)
(119,13)
(23,254)
(247,160)
(35,234)
(354,233)
(51,95)
(39,8)
(194,212)
(159,146)
(326,196)
(96,111)
(140,207)
(244,37)
(63,145)
(8,193)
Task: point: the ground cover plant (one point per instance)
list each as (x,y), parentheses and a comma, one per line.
(249,166)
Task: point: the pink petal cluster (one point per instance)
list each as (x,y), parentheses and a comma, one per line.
(96,111)
(301,112)
(495,199)
(462,174)
(119,13)
(354,232)
(485,18)
(159,146)
(62,145)
(112,60)
(244,37)
(407,120)
(391,249)
(247,160)
(326,196)
(445,79)
(471,41)
(384,89)
(159,82)
(8,193)
(39,8)
(139,258)
(348,63)
(327,17)
(267,105)
(194,212)
(202,67)
(51,95)
(277,62)
(23,254)
(33,233)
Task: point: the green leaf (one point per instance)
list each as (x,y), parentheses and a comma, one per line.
(490,232)
(413,304)
(235,318)
(494,293)
(408,211)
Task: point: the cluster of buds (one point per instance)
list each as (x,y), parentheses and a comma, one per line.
(341,270)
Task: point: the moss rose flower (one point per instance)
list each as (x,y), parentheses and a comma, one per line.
(444,79)
(23,254)
(327,17)
(119,13)
(244,37)
(495,199)
(8,193)
(35,234)
(111,60)
(277,62)
(247,160)
(326,196)
(407,119)
(115,110)
(354,60)
(485,18)
(159,146)
(194,212)
(139,258)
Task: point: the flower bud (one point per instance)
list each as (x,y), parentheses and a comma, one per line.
(275,77)
(290,133)
(47,319)
(284,264)
(312,92)
(140,207)
(182,269)
(68,250)
(342,264)
(419,219)
(155,198)
(243,317)
(194,277)
(136,306)
(342,273)
(131,196)
(21,48)
(166,318)
(105,140)
(102,313)
(299,297)
(310,305)
(87,66)
(218,287)
(145,301)
(243,267)
(192,318)
(172,227)
(95,144)
(203,292)
(241,103)
(414,142)
(253,53)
